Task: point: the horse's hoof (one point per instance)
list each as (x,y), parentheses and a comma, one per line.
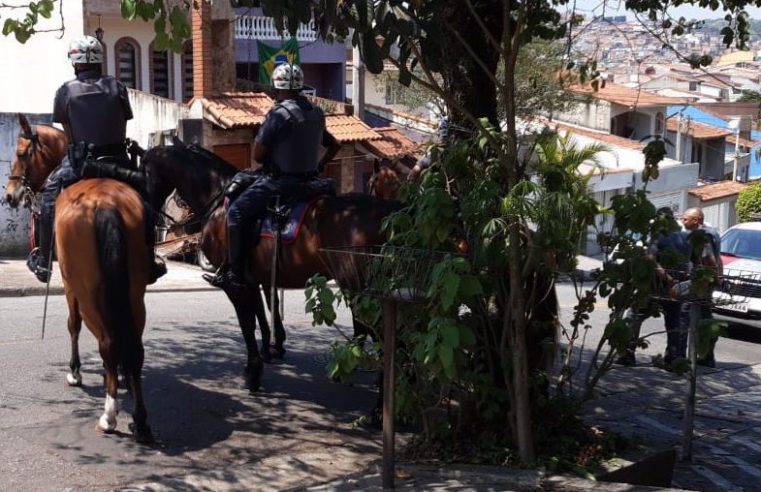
(266,356)
(105,426)
(74,379)
(141,433)
(277,353)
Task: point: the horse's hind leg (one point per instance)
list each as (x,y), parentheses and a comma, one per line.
(107,421)
(74,378)
(139,425)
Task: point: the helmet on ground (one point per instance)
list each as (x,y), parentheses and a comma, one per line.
(85,49)
(287,76)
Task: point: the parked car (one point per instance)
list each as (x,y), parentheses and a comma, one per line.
(741,255)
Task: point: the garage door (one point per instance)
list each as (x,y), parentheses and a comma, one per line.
(239,155)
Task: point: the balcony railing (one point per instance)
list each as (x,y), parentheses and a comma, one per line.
(261,27)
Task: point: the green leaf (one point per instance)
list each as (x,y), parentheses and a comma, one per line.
(470,286)
(449,289)
(9,26)
(446,357)
(129,9)
(22,35)
(450,335)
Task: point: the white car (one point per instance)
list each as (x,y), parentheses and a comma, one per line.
(741,255)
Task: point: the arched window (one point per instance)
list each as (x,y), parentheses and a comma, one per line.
(161,71)
(187,71)
(128,62)
(659,123)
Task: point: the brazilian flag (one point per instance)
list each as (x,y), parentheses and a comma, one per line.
(270,57)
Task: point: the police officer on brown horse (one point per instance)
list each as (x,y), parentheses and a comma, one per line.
(93,109)
(288,145)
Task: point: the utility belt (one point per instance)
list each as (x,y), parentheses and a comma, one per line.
(92,161)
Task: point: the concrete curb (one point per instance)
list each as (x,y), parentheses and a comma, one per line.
(58,290)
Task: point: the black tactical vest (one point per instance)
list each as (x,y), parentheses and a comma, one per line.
(96,114)
(299,150)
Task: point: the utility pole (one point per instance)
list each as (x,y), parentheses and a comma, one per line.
(358,84)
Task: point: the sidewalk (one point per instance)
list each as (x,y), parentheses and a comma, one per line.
(16,280)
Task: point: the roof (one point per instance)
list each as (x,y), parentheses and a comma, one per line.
(248,109)
(744,142)
(714,191)
(601,136)
(392,144)
(625,96)
(237,109)
(698,131)
(349,128)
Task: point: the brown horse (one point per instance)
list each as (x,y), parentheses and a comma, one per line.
(100,226)
(385,182)
(330,222)
(39,150)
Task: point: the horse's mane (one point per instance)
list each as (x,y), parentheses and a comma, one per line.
(201,156)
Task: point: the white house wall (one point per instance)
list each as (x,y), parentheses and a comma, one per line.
(152,114)
(32,72)
(595,114)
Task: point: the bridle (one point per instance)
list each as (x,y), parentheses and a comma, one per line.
(28,194)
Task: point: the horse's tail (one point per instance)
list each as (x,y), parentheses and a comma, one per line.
(110,233)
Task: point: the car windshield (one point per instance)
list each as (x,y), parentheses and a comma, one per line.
(744,243)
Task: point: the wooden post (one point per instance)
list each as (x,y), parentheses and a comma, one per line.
(389,345)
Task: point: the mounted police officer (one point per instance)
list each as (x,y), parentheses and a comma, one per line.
(288,146)
(93,109)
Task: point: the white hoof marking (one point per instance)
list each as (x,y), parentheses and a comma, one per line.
(74,379)
(107,421)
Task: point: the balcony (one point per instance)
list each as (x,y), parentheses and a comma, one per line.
(262,27)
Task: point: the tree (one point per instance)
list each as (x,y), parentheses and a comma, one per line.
(749,203)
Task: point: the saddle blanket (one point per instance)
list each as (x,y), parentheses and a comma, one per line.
(291,230)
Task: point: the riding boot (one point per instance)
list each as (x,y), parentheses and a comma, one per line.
(39,259)
(157,267)
(232,274)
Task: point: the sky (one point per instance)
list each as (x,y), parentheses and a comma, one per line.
(616,7)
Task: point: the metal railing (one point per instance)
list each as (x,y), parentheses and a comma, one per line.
(262,27)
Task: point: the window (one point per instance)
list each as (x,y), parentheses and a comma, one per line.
(161,69)
(659,123)
(128,62)
(693,86)
(187,71)
(392,91)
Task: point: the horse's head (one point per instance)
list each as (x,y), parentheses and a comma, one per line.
(384,182)
(38,151)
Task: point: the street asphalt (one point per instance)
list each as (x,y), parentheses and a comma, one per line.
(18,281)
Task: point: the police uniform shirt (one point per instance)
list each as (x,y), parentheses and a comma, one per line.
(96,107)
(292,133)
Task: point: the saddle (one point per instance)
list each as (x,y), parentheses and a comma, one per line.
(290,211)
(116,167)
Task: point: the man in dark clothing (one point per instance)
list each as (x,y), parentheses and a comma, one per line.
(93,109)
(288,146)
(670,252)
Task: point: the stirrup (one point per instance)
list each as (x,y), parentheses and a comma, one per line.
(33,262)
(224,277)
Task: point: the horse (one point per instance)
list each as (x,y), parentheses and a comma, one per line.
(39,150)
(385,182)
(352,220)
(100,230)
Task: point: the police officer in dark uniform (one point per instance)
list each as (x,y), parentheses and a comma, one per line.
(288,144)
(93,109)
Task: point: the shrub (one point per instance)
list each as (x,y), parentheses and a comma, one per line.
(749,203)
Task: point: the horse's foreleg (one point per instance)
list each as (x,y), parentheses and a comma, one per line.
(74,378)
(279,351)
(264,325)
(244,309)
(107,421)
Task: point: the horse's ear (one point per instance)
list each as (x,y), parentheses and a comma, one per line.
(25,127)
(376,166)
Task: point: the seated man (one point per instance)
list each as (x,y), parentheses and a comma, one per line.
(289,142)
(93,109)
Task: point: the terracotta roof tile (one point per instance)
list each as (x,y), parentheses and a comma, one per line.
(237,109)
(718,190)
(744,142)
(392,144)
(626,96)
(698,131)
(600,136)
(349,128)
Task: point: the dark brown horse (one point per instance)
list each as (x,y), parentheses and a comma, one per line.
(331,222)
(100,232)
